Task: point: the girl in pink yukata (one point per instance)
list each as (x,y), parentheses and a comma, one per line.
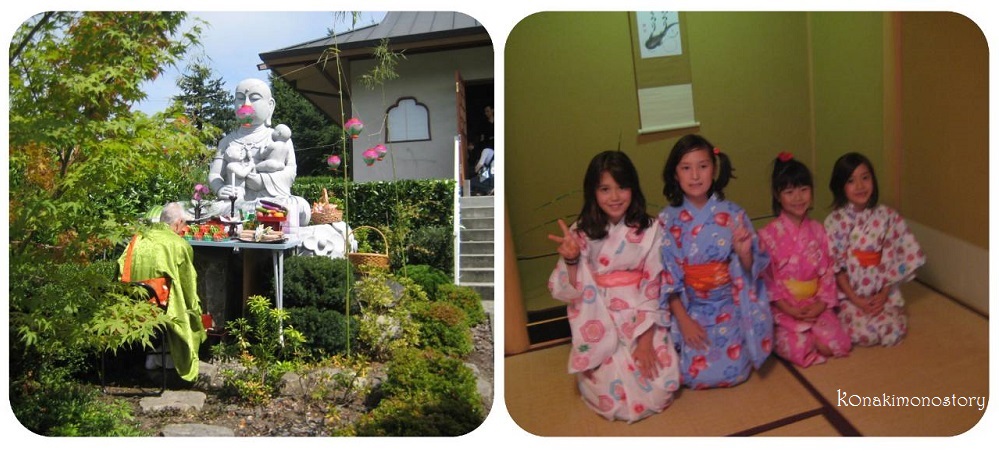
(608,273)
(800,280)
(874,253)
(712,284)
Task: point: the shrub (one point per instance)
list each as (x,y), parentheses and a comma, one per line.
(61,313)
(57,406)
(325,331)
(419,415)
(465,298)
(317,281)
(425,394)
(443,328)
(428,277)
(433,246)
(265,349)
(385,323)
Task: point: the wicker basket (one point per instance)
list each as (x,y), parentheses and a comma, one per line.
(370,259)
(325,213)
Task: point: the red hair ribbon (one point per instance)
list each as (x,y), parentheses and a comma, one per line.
(717,150)
(785,156)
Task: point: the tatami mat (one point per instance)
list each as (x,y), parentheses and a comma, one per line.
(542,398)
(945,354)
(812,426)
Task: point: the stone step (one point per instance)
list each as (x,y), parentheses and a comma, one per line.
(195,429)
(477,201)
(477,247)
(477,212)
(477,234)
(475,261)
(485,290)
(478,223)
(483,275)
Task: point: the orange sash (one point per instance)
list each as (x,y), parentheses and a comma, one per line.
(618,279)
(705,277)
(868,258)
(160,285)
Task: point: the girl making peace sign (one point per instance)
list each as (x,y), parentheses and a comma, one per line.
(609,274)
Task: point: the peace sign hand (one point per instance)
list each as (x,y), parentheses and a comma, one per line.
(567,248)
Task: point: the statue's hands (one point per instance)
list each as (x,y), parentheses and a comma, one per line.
(228,191)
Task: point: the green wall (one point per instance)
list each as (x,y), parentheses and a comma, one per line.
(570,93)
(944,110)
(848,75)
(817,84)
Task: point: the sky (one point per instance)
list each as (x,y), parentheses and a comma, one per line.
(232,42)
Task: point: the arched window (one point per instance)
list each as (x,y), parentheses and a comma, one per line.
(408,120)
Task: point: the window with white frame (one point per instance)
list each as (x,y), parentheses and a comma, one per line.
(408,120)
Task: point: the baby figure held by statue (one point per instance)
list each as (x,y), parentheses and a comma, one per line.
(256,160)
(240,164)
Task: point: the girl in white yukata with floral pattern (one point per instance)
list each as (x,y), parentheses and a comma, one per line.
(609,274)
(874,253)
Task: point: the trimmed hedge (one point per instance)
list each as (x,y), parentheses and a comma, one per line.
(316,281)
(325,330)
(371,203)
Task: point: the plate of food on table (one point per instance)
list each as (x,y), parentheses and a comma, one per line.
(262,234)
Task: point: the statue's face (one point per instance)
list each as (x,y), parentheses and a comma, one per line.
(255,93)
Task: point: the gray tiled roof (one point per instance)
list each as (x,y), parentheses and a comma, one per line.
(399,26)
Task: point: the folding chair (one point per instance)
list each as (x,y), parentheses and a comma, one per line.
(157,291)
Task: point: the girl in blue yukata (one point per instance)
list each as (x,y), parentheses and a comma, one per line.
(712,282)
(608,272)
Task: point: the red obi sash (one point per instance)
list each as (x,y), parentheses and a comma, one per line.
(705,277)
(619,278)
(868,258)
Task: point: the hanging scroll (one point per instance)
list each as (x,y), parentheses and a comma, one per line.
(662,71)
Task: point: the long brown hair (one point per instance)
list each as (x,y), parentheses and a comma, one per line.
(592,220)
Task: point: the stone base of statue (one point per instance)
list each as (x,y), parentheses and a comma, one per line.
(220,274)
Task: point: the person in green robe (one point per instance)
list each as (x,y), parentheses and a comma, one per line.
(161,251)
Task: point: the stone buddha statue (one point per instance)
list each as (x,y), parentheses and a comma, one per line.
(256,161)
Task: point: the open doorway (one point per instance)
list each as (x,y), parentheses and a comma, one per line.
(478,95)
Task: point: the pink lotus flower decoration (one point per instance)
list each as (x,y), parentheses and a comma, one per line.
(381,150)
(333,161)
(353,127)
(245,115)
(370,155)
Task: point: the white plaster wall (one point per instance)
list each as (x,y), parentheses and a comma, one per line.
(953,266)
(430,79)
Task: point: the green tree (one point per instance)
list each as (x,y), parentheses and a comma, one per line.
(82,167)
(205,101)
(315,136)
(75,145)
